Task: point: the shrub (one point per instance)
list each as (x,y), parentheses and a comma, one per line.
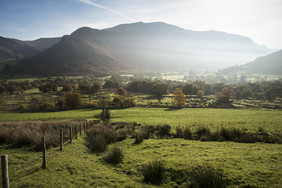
(121,134)
(29,133)
(98,137)
(164,130)
(154,172)
(105,115)
(207,176)
(147,130)
(203,132)
(139,138)
(47,107)
(187,133)
(114,156)
(97,143)
(179,132)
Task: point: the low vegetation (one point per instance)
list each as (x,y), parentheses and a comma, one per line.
(29,133)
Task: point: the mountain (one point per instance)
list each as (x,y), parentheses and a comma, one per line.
(269,64)
(143,47)
(13,49)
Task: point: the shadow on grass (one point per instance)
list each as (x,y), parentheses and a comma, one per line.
(173,109)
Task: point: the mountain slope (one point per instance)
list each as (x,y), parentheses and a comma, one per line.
(269,64)
(11,49)
(142,46)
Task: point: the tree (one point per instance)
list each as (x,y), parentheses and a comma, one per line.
(118,101)
(179,98)
(159,90)
(190,89)
(67,88)
(72,99)
(46,88)
(200,93)
(104,100)
(121,91)
(105,115)
(224,96)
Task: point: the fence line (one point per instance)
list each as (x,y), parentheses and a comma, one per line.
(4,158)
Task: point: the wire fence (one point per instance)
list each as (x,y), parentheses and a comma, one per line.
(34,160)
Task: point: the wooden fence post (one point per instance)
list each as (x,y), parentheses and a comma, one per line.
(61,139)
(5,173)
(80,131)
(84,127)
(70,134)
(44,164)
(76,131)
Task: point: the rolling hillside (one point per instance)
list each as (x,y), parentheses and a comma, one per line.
(13,49)
(269,64)
(143,47)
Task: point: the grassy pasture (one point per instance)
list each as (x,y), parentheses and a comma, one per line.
(244,164)
(270,121)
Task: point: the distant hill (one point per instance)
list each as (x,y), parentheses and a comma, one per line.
(13,49)
(142,46)
(269,64)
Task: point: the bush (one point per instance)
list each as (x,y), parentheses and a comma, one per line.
(207,176)
(179,132)
(154,172)
(47,107)
(114,156)
(121,134)
(164,130)
(105,115)
(98,137)
(203,132)
(147,130)
(29,133)
(139,138)
(187,133)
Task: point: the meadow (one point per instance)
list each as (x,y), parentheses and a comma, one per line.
(193,117)
(244,164)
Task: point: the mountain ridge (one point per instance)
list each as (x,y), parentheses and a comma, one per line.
(142,46)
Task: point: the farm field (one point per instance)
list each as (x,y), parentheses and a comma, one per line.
(257,165)
(244,164)
(212,118)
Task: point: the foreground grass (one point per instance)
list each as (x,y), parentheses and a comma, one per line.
(244,164)
(252,120)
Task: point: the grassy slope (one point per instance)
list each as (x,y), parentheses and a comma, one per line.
(244,164)
(271,121)
(255,164)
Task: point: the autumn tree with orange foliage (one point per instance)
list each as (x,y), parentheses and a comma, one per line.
(179,98)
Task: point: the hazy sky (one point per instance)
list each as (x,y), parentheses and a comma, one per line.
(261,20)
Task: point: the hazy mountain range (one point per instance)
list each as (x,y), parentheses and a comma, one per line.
(13,49)
(133,47)
(269,64)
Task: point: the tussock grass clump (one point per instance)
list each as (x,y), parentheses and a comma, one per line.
(203,132)
(154,172)
(207,176)
(187,133)
(99,136)
(114,156)
(164,130)
(179,132)
(30,133)
(139,138)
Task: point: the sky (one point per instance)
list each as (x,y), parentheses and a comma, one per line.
(260,20)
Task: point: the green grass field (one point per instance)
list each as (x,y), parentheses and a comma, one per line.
(256,164)
(252,120)
(244,164)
